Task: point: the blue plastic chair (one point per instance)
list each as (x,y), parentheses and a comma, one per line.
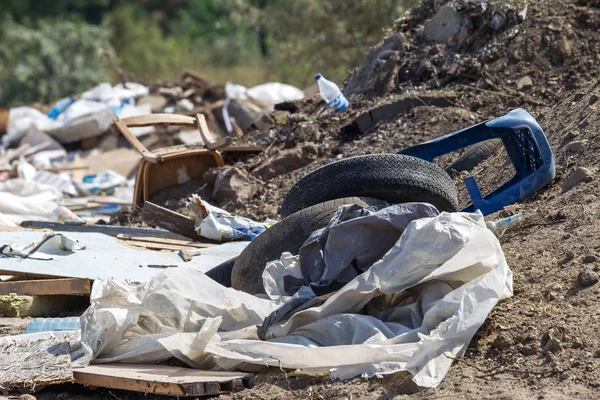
(526,146)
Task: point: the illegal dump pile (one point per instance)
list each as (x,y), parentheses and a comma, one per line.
(441,68)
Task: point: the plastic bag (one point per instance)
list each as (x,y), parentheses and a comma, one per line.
(217,224)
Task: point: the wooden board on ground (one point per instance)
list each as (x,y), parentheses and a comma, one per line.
(155,215)
(155,246)
(160,379)
(40,362)
(41,287)
(184,243)
(110,230)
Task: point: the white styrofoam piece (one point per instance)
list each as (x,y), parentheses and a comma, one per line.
(105,258)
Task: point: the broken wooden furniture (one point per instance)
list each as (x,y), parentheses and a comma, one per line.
(170,166)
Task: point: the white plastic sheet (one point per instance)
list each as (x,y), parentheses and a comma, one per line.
(105,92)
(79,109)
(22,200)
(20,119)
(413,310)
(265,95)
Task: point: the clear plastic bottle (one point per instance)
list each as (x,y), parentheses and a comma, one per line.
(61,106)
(53,324)
(332,94)
(500,226)
(63,214)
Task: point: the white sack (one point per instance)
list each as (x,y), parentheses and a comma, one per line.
(22,200)
(20,119)
(265,95)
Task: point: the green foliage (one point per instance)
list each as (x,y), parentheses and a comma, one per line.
(292,39)
(143,48)
(246,41)
(54,61)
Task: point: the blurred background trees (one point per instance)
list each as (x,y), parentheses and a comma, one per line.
(51,49)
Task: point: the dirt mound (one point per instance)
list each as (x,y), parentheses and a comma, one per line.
(543,342)
(481,58)
(534,50)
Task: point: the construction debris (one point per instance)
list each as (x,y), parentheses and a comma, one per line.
(440,68)
(28,362)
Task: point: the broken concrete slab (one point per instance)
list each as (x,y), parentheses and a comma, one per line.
(388,112)
(85,127)
(578,176)
(445,24)
(286,161)
(232,185)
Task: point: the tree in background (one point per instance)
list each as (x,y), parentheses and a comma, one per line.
(246,41)
(52,61)
(292,39)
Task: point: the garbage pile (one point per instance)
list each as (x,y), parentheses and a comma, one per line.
(415,300)
(60,158)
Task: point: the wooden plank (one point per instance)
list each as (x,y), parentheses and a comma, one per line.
(185,243)
(159,119)
(71,286)
(66,168)
(162,379)
(85,207)
(26,274)
(31,363)
(154,246)
(155,215)
(109,230)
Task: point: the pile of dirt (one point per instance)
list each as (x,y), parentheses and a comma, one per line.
(543,342)
(499,56)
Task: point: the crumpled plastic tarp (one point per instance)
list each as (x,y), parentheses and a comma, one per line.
(416,309)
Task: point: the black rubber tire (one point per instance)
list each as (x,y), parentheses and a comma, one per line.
(289,234)
(222,272)
(474,156)
(395,178)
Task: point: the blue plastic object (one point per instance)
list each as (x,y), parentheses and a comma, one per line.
(61,106)
(526,146)
(53,324)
